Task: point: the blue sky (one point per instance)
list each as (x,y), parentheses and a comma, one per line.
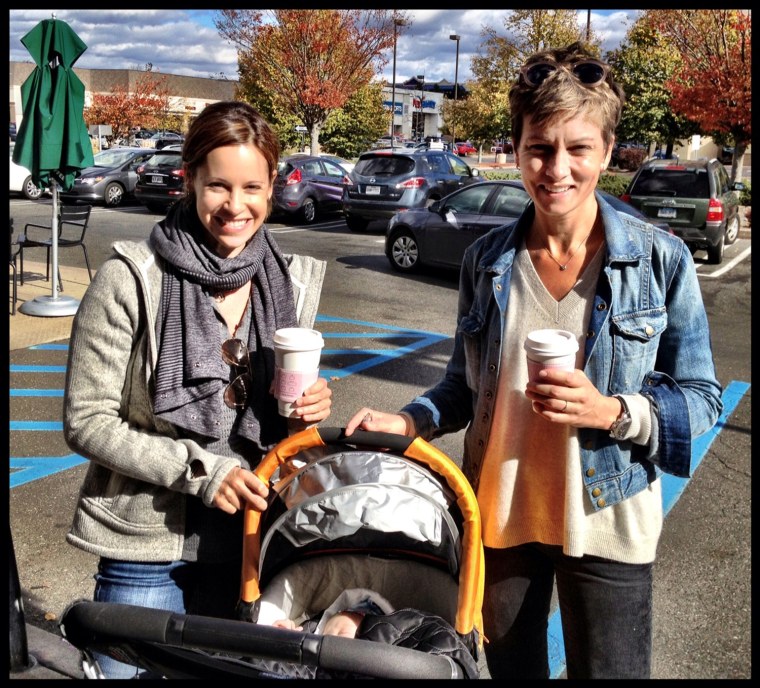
(185,42)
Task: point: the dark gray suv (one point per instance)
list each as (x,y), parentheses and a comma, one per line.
(383,182)
(695,197)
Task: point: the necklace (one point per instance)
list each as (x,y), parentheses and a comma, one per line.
(572,255)
(221,294)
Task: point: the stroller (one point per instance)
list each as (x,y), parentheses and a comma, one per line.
(373,511)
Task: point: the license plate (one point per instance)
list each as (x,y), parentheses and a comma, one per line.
(667,213)
(372,190)
(156,179)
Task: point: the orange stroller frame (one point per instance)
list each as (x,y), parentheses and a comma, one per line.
(471,575)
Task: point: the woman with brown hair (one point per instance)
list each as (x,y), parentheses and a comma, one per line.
(168,382)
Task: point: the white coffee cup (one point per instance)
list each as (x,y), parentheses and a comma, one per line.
(554,349)
(297,351)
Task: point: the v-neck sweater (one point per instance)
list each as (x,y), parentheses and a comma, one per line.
(531,487)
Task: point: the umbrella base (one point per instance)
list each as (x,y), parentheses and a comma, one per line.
(50,306)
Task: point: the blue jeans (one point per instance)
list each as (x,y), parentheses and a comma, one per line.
(606,610)
(209,589)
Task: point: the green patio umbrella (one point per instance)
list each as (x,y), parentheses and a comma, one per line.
(52,141)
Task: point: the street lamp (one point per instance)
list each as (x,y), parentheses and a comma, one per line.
(455,37)
(397,21)
(421,120)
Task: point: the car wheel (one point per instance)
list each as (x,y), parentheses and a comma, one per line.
(732,230)
(31,191)
(715,253)
(309,211)
(356,224)
(113,194)
(404,251)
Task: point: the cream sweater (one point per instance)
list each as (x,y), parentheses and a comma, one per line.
(531,488)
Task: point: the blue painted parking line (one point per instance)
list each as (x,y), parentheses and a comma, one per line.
(672,488)
(36,393)
(372,357)
(24,470)
(49,347)
(36,426)
(37,369)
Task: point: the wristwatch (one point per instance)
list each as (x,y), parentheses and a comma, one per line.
(622,423)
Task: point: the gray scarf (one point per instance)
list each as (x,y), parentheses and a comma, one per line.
(190,373)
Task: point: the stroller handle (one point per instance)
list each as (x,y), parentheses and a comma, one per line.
(106,626)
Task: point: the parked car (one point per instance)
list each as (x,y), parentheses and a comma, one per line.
(12,131)
(162,138)
(464,148)
(726,155)
(386,181)
(160,180)
(695,197)
(439,234)
(110,180)
(308,186)
(21,180)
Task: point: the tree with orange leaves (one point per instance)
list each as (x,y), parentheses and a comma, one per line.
(144,105)
(312,61)
(713,85)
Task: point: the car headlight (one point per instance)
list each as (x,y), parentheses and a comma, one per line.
(90,181)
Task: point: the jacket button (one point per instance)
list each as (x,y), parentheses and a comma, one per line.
(498,287)
(489,395)
(485,418)
(491,368)
(649,330)
(601,503)
(480,443)
(590,334)
(596,492)
(590,472)
(601,306)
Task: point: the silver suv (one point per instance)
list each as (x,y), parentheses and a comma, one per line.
(695,197)
(386,181)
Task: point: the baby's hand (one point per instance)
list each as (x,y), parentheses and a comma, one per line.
(344,624)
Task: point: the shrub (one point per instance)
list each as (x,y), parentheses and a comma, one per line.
(745,197)
(614,184)
(631,158)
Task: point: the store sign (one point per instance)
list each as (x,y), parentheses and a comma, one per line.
(397,110)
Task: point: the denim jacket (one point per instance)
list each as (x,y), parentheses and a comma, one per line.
(648,334)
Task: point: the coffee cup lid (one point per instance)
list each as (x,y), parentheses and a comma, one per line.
(298,338)
(546,341)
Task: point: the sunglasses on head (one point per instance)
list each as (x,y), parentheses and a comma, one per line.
(588,72)
(235,354)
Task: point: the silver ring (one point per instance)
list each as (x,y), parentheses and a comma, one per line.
(564,408)
(367,418)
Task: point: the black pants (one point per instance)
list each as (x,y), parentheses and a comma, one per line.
(606,610)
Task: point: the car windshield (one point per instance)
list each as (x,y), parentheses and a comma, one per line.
(384,165)
(683,182)
(112,158)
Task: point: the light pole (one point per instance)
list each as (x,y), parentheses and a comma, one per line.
(455,37)
(421,120)
(396,23)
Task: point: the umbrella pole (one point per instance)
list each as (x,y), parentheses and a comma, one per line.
(54,240)
(53,305)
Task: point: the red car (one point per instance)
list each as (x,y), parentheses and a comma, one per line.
(464,148)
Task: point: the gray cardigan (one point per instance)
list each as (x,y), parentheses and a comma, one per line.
(132,501)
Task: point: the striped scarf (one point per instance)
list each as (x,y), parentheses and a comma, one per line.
(190,373)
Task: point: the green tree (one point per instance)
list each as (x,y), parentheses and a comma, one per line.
(312,61)
(713,84)
(642,65)
(535,30)
(351,129)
